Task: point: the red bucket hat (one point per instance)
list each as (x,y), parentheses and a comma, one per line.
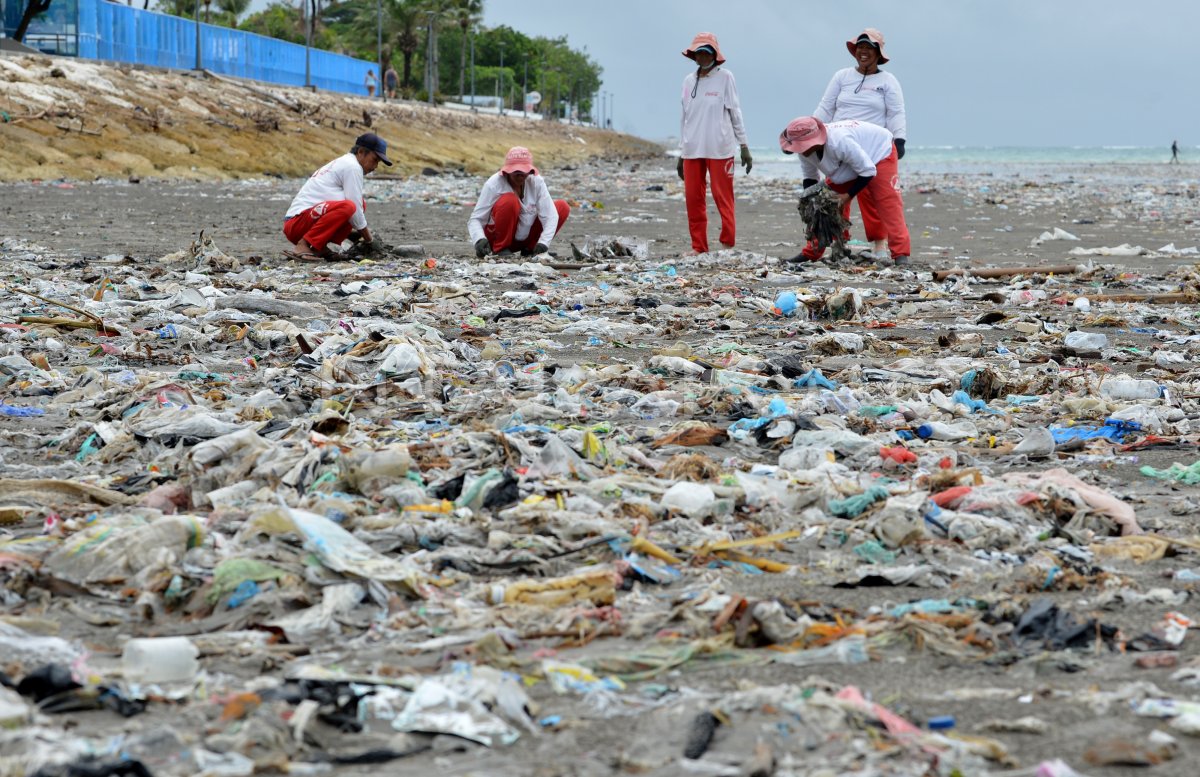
(518,160)
(802,134)
(704,39)
(872,36)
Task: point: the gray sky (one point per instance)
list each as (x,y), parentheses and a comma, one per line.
(974,72)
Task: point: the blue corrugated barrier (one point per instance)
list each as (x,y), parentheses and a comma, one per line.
(120,33)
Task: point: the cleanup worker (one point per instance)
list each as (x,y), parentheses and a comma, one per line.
(514,211)
(866,93)
(329,207)
(855,156)
(709,129)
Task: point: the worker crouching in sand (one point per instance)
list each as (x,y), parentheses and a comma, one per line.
(514,212)
(329,207)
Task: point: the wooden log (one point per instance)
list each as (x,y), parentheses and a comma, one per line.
(1004,272)
(1169,298)
(291,104)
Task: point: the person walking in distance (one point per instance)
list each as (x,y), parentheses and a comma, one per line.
(390,79)
(1174,152)
(370,81)
(710,128)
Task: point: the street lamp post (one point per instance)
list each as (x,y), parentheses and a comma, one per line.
(382,82)
(499,91)
(525,90)
(429,58)
(198,64)
(308,36)
(473,108)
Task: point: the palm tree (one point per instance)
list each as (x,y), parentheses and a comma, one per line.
(403,17)
(234,9)
(466,13)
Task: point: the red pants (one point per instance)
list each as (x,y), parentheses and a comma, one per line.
(325,222)
(502,230)
(695,192)
(882,209)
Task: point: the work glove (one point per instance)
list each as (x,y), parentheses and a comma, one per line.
(807,182)
(747,160)
(355,236)
(540,248)
(482,247)
(679,168)
(899,148)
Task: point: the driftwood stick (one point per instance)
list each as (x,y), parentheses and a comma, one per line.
(1169,298)
(71,308)
(1004,272)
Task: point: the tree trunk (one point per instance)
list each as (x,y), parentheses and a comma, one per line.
(408,57)
(32,11)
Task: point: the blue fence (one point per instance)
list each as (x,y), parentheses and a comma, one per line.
(120,33)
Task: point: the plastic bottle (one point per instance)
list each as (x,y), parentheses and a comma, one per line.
(785,303)
(160,660)
(1086,341)
(936,430)
(1130,388)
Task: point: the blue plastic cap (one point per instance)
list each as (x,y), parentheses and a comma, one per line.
(924,431)
(941,722)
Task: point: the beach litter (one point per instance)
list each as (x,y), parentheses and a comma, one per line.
(425,510)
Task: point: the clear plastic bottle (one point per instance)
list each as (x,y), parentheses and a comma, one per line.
(937,430)
(1130,388)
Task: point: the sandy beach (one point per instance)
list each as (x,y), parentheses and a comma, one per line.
(525,367)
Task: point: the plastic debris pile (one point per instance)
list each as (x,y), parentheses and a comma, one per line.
(265,517)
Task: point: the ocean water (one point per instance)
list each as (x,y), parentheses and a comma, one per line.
(1101,162)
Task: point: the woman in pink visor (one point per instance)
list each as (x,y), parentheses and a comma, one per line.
(514,211)
(866,93)
(858,159)
(710,129)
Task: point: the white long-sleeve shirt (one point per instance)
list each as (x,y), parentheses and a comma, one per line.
(711,126)
(852,148)
(876,99)
(341,179)
(535,204)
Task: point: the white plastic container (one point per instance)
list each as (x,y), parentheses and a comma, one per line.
(1086,341)
(160,660)
(1130,388)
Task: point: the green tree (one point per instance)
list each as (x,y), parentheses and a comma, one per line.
(232,9)
(466,14)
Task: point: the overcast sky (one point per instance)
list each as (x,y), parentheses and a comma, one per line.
(974,72)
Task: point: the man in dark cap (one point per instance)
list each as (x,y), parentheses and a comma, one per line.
(330,207)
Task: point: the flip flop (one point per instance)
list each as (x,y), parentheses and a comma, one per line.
(302,256)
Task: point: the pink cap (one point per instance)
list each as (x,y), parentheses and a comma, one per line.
(802,134)
(518,160)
